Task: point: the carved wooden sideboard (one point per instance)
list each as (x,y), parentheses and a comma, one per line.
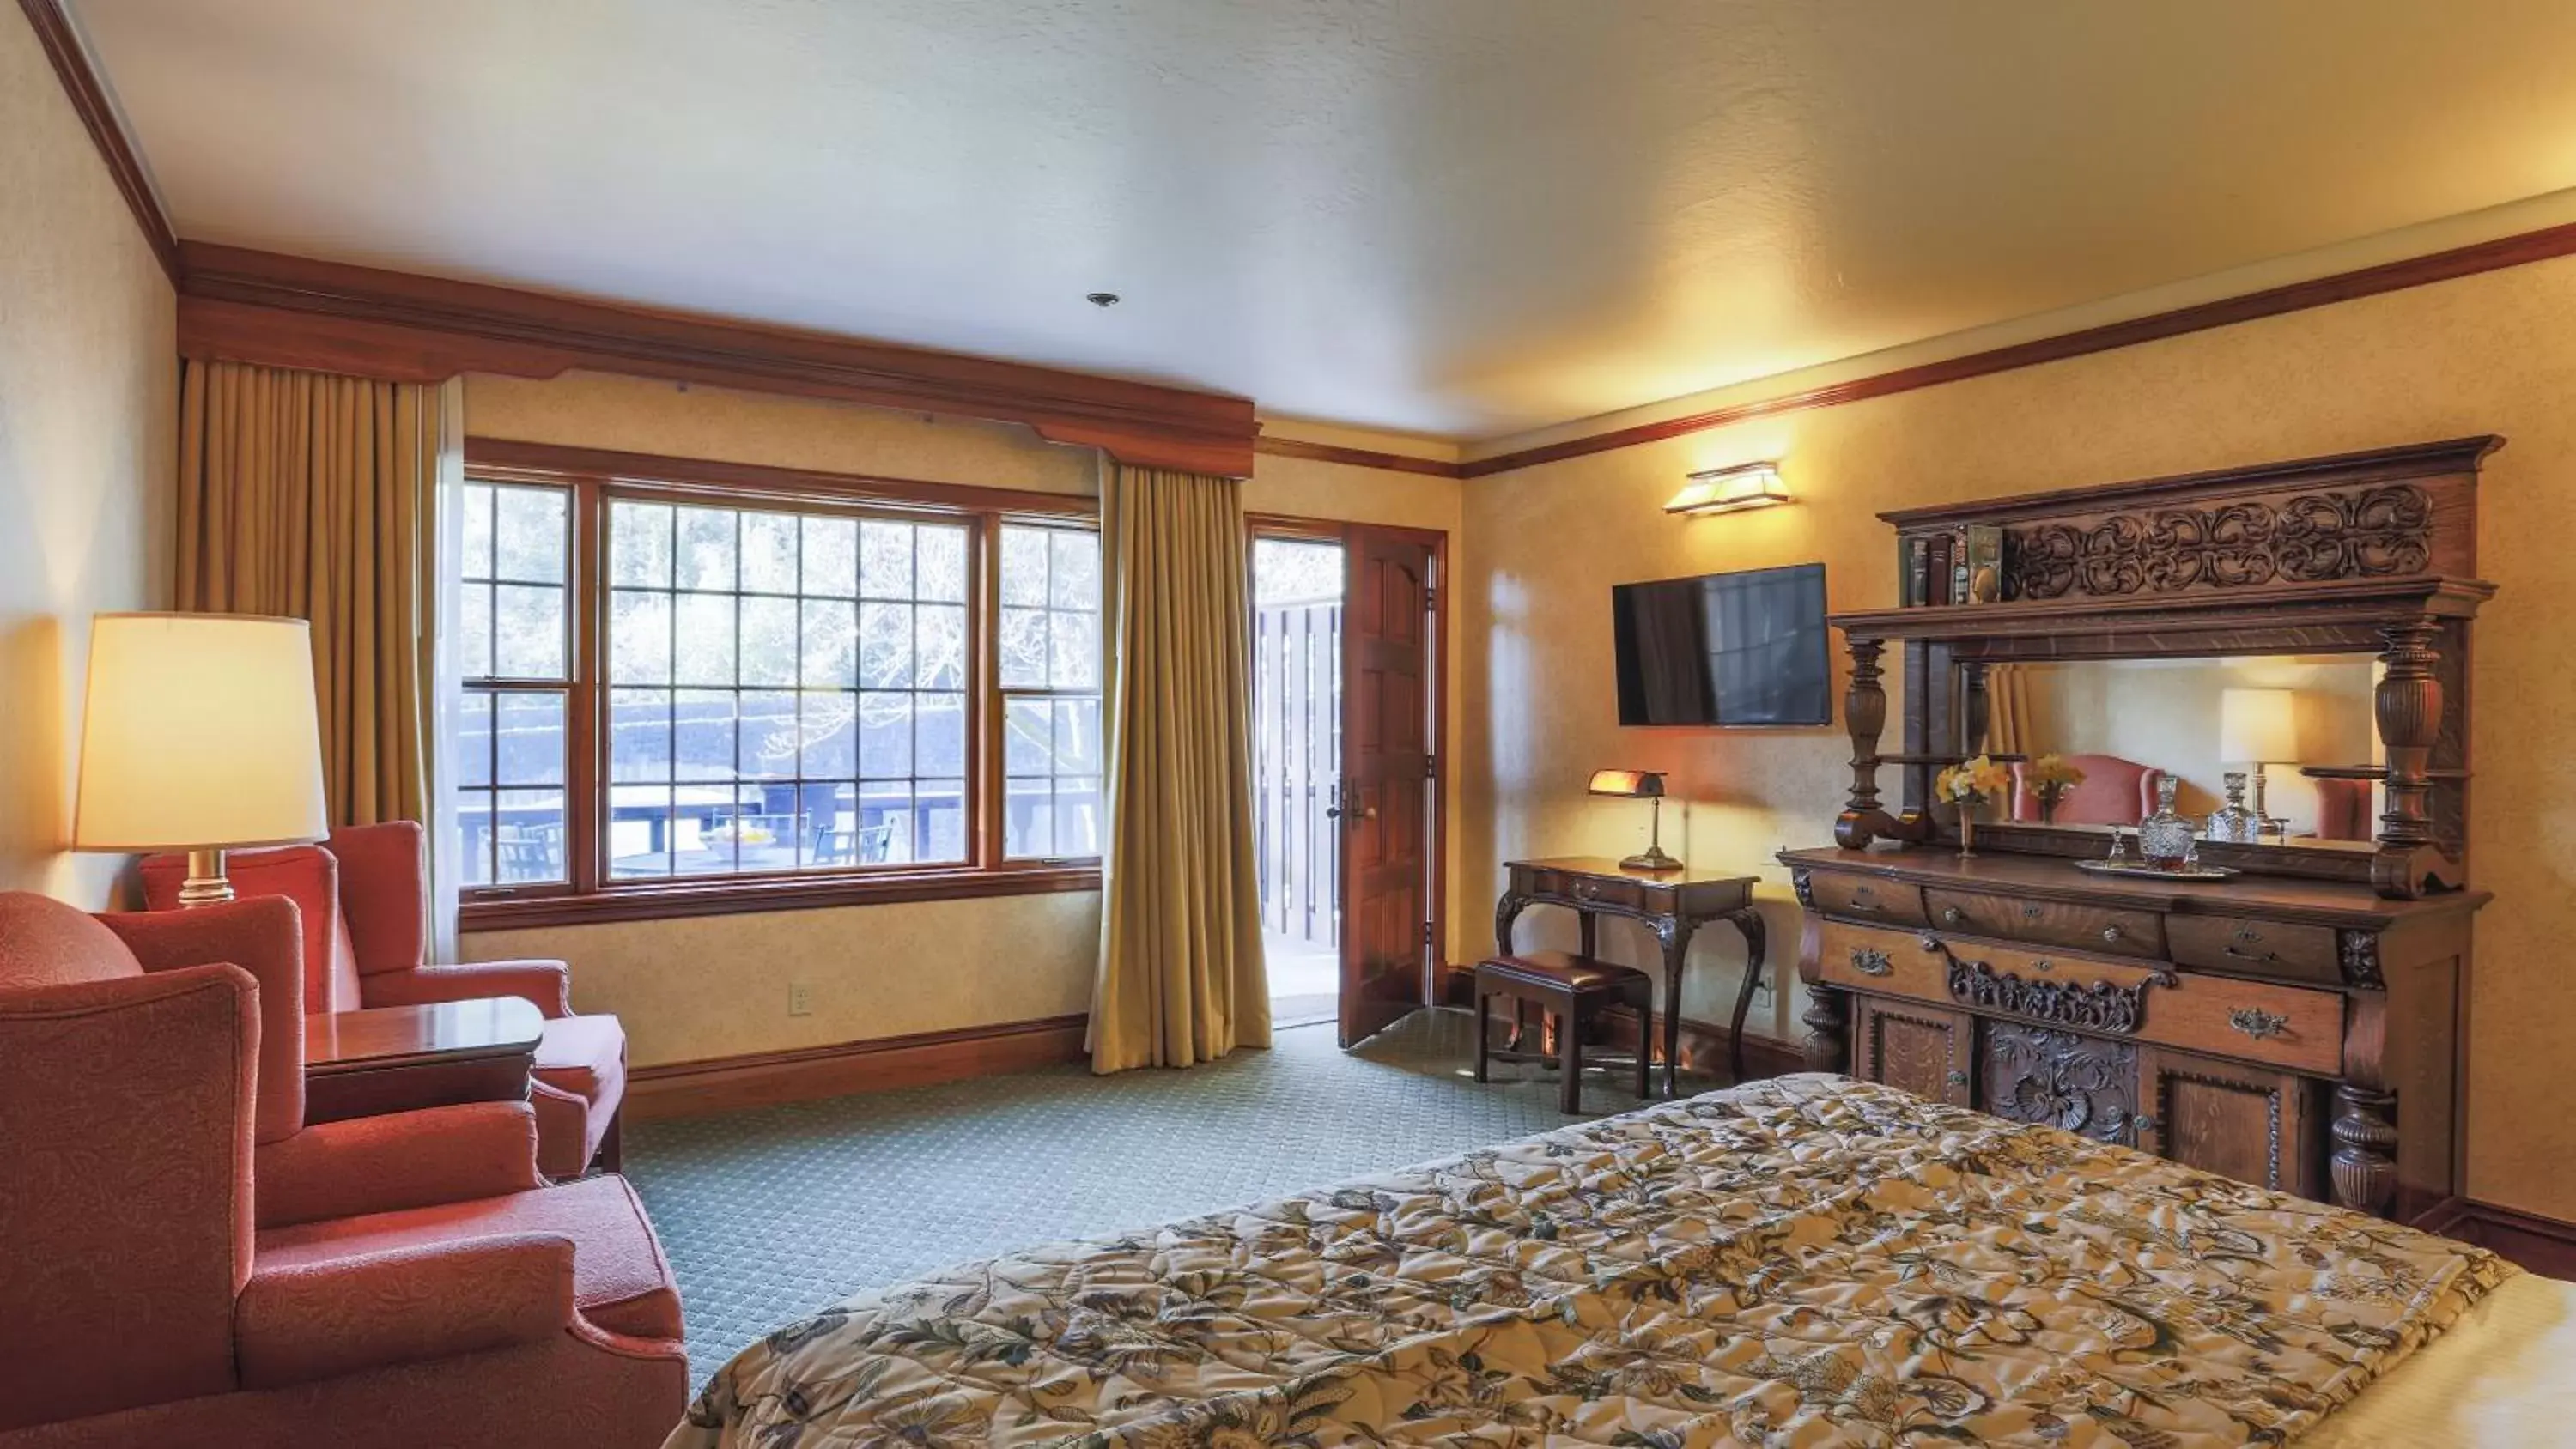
(2300,1025)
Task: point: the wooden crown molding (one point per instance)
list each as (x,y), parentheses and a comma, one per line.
(106,130)
(2466,261)
(1356,457)
(253,306)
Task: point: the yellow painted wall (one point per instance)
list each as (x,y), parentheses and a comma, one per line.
(2493,353)
(717,986)
(89,427)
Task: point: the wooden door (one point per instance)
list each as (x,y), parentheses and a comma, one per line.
(1386,779)
(2249,1123)
(1923,1049)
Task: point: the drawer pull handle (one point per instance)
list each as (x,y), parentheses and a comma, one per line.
(2142,1124)
(2042,963)
(1949,915)
(1587,889)
(2111,933)
(1958,1079)
(2248,934)
(2257,1023)
(2030,910)
(1870,962)
(1928,941)
(2252,955)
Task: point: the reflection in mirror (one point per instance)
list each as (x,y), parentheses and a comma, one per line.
(2125,722)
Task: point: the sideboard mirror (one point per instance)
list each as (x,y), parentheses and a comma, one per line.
(2296,732)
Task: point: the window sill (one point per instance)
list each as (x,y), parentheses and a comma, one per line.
(724,898)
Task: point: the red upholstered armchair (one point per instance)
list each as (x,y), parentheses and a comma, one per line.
(367,944)
(2115,792)
(185,1262)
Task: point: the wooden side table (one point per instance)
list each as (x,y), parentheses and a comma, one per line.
(1674,904)
(402,1058)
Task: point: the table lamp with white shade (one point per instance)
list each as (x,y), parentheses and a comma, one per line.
(200,734)
(2255,727)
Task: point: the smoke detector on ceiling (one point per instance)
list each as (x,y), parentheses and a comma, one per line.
(1101,299)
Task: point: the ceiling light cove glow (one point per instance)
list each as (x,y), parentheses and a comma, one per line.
(1730,490)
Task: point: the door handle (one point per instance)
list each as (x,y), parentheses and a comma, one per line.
(1337,811)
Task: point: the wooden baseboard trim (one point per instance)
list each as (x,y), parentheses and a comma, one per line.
(765,1079)
(2544,1245)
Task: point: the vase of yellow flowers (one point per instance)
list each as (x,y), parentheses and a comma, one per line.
(1968,785)
(2050,778)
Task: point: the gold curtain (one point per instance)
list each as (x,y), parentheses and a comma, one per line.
(1180,977)
(2009,727)
(314,496)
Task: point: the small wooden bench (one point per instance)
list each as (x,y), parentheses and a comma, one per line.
(1574,988)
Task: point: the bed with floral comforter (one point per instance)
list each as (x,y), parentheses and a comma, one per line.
(1805,1260)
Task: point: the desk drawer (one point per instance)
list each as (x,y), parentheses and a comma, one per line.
(1871,898)
(2105,929)
(2257,948)
(2249,1020)
(1572,888)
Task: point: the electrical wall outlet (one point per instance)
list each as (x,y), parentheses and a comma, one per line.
(800,998)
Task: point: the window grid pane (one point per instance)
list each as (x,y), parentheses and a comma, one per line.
(514,631)
(796,634)
(1050,672)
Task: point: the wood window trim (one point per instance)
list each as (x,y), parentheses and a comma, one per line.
(558,905)
(593,476)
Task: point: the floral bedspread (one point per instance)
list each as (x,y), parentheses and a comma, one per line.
(1802,1261)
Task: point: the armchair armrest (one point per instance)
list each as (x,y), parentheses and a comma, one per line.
(309,1321)
(545,985)
(401,1160)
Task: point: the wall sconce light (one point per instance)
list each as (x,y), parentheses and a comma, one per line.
(1730,490)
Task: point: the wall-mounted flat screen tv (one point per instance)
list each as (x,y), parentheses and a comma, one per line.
(1725,649)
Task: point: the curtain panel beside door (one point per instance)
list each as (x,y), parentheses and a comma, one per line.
(1180,978)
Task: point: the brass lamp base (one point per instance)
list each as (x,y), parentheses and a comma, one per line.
(206,884)
(1653,860)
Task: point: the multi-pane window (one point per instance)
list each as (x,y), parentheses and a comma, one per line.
(514,639)
(786,690)
(684,684)
(1050,675)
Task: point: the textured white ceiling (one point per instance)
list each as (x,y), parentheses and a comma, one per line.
(1465,217)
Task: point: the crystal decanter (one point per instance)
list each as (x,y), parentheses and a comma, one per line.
(2165,837)
(2232,821)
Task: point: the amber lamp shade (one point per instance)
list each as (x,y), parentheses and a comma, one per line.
(200,734)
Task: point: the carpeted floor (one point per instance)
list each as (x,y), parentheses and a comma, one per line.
(769,1215)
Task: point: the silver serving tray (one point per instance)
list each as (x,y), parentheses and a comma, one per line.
(2152,872)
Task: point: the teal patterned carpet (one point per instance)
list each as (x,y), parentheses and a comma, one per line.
(771,1214)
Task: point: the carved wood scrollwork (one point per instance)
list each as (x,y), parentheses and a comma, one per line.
(2360,950)
(2306,538)
(2078,1083)
(2085,1005)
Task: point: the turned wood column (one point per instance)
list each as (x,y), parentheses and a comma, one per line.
(1975,710)
(1864,719)
(1828,1015)
(2407,706)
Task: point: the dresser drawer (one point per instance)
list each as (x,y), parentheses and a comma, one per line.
(1871,898)
(2259,948)
(2250,1020)
(2051,923)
